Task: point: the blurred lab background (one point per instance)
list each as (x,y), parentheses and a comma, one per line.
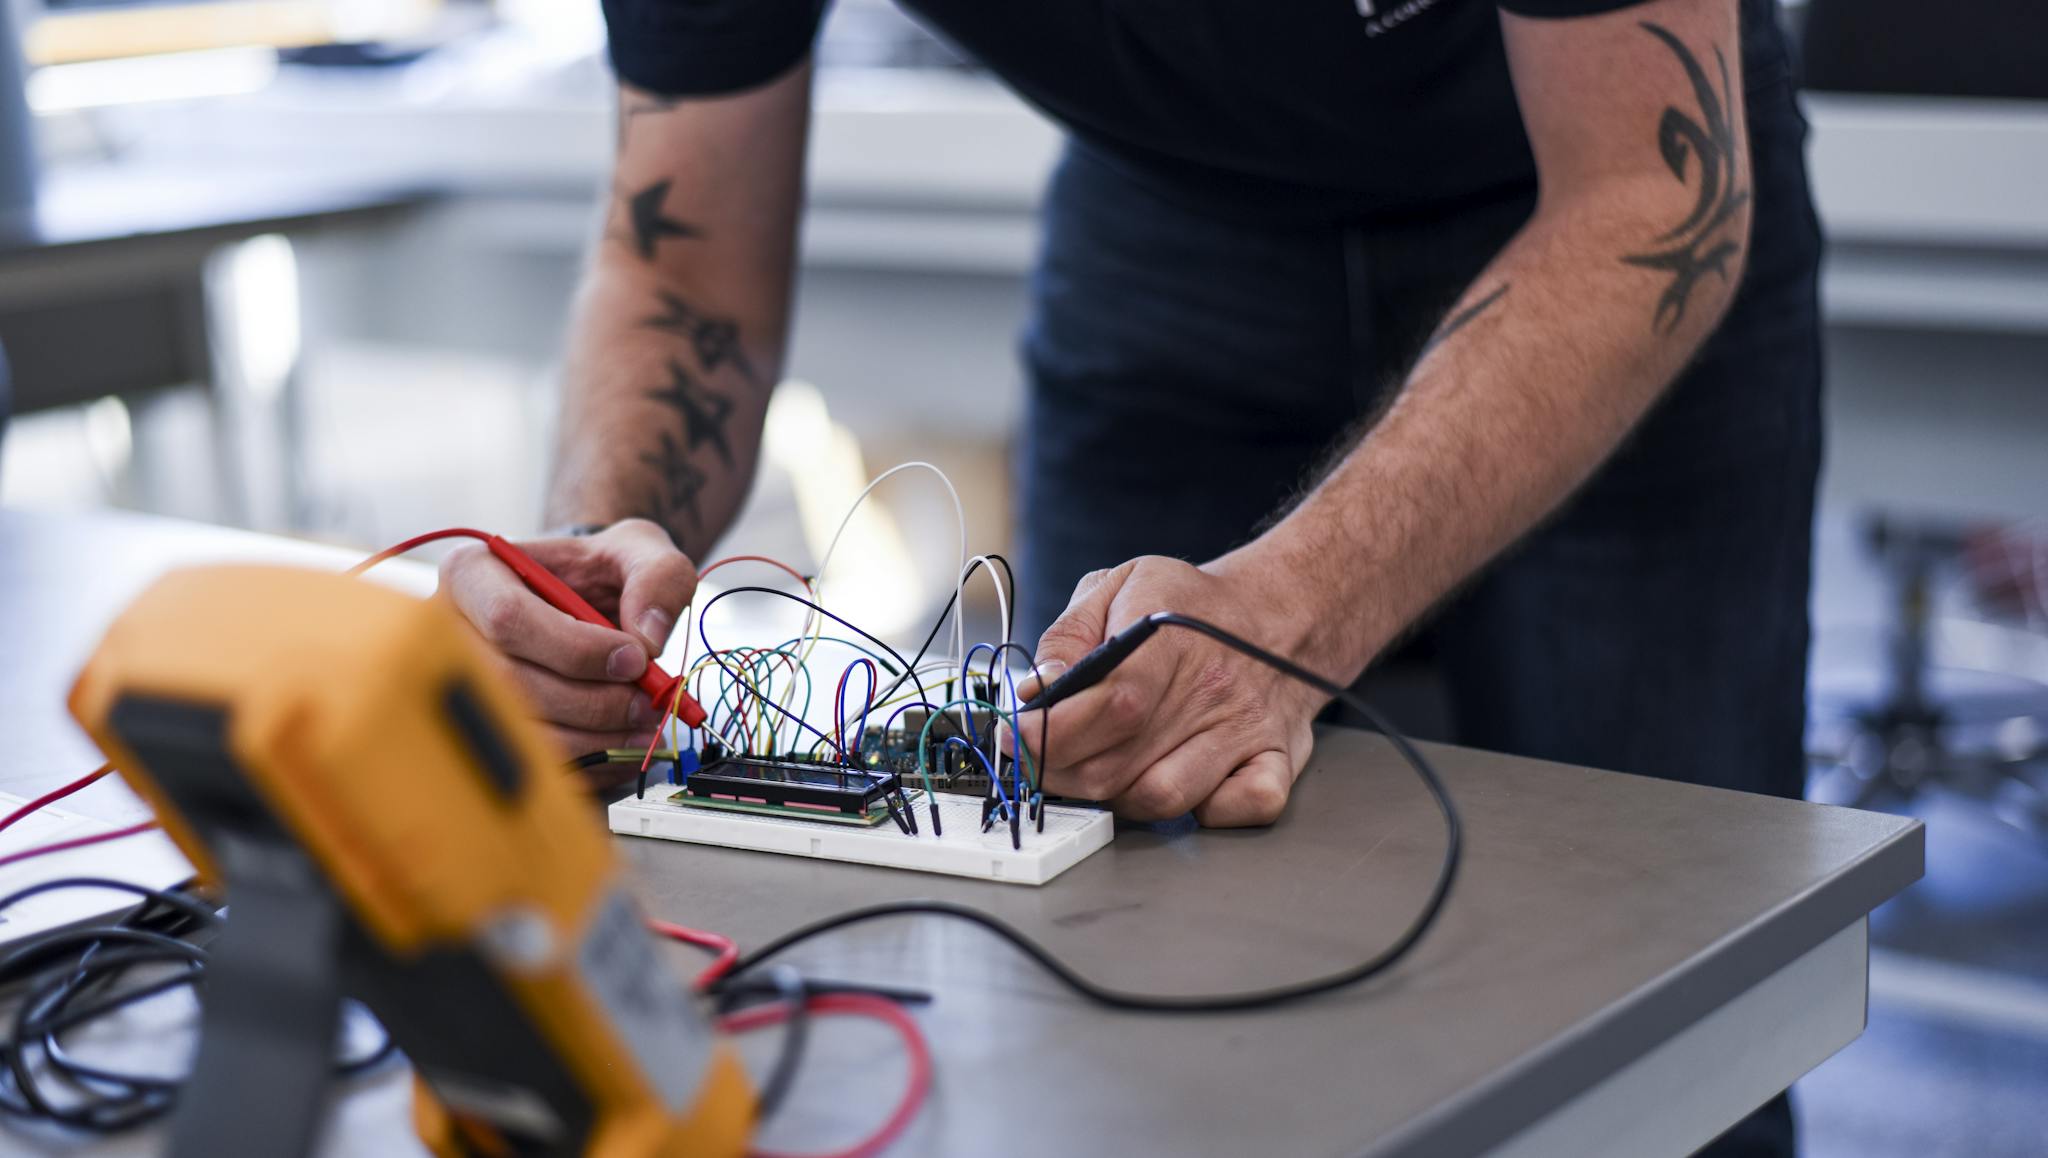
(303,266)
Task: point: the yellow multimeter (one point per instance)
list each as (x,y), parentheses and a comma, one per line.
(321,745)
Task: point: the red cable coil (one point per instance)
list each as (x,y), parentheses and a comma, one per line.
(865,1004)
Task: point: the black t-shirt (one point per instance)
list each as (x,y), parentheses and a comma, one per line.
(1273,108)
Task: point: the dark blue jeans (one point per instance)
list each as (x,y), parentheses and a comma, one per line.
(1186,373)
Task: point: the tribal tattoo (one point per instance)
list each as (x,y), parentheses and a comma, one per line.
(704,411)
(716,340)
(1461,319)
(1700,244)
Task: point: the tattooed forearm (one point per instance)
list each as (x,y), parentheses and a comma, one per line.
(650,224)
(1703,242)
(716,340)
(682,316)
(704,411)
(1461,319)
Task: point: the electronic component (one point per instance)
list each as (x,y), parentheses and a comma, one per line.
(685,764)
(952,767)
(794,784)
(877,813)
(385,818)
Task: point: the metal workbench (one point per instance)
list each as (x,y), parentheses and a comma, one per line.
(1626,967)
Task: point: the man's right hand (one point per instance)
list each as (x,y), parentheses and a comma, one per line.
(577,676)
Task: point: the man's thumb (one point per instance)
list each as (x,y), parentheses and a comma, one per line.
(1043,673)
(1084,623)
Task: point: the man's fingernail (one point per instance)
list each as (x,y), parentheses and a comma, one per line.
(643,714)
(1051,669)
(627,662)
(655,624)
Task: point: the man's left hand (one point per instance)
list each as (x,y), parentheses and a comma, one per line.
(1184,723)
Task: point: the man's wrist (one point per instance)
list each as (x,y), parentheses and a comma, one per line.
(1315,602)
(575,530)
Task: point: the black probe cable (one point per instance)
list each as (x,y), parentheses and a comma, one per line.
(1089,671)
(67,973)
(795,1035)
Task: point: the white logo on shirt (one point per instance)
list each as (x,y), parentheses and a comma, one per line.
(1401,13)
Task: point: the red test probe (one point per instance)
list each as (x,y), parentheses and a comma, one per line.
(658,684)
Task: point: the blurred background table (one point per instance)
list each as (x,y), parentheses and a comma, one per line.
(113,287)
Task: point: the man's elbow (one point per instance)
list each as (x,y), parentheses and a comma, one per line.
(1690,279)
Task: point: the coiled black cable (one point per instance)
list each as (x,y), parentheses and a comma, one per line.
(69,978)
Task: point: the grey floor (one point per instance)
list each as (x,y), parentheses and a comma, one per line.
(1920,1086)
(1955,1059)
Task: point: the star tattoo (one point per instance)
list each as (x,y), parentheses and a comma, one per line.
(716,340)
(704,411)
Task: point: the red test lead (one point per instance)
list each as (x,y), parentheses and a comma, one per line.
(658,684)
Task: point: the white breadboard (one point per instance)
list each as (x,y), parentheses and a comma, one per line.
(1070,835)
